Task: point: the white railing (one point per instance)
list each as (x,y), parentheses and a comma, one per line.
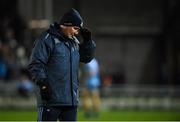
(115,96)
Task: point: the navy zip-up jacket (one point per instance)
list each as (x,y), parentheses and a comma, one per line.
(56,58)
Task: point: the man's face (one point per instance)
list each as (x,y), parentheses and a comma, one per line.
(70,30)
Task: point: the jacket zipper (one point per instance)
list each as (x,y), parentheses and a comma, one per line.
(71,82)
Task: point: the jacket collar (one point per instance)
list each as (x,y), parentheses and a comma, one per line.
(55,30)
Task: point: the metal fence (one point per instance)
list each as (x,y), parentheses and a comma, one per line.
(142,97)
(149,97)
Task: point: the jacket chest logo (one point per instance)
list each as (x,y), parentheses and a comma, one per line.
(56,40)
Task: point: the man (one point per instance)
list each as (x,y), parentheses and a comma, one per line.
(54,67)
(90,94)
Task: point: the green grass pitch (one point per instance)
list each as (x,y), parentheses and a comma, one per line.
(108,115)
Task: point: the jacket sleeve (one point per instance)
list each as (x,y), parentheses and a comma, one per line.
(87,51)
(38,60)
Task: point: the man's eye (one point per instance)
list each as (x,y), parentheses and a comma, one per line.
(76,28)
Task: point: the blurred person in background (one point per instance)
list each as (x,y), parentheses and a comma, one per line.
(3,67)
(54,65)
(8,53)
(12,69)
(90,94)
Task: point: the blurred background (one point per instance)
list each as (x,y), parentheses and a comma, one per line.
(137,51)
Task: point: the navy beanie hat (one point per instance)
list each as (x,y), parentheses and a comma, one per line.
(72,18)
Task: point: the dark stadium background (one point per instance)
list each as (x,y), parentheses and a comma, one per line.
(137,48)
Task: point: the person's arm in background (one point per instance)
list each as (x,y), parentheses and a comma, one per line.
(87,48)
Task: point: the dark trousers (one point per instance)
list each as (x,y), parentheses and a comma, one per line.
(62,113)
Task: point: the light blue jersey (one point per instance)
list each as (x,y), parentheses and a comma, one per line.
(92,71)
